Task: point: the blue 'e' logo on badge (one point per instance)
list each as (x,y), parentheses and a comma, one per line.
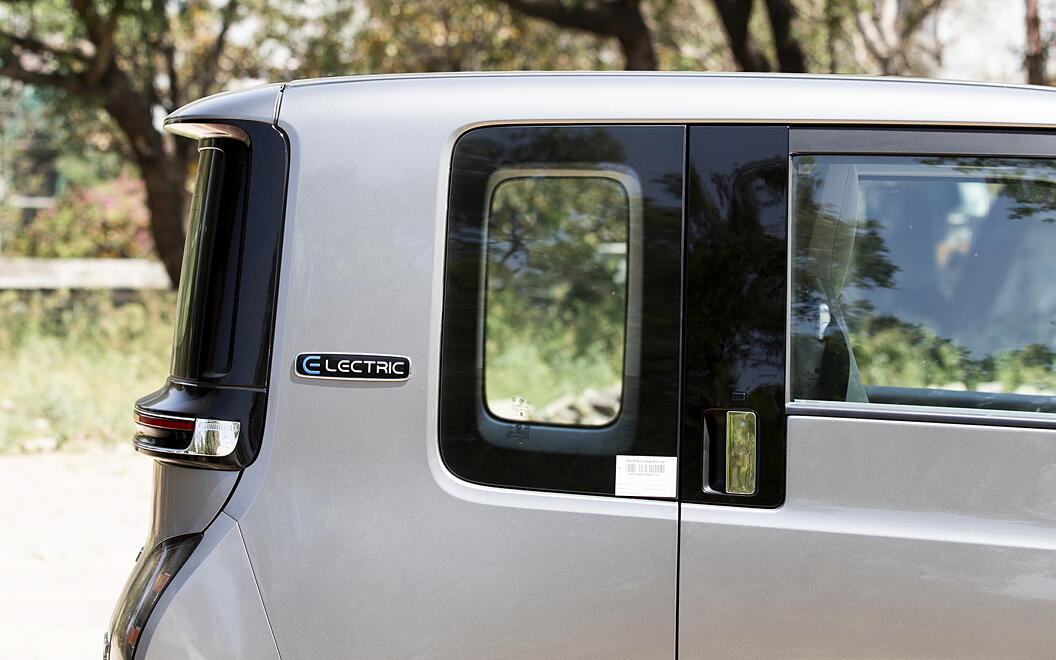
(311,365)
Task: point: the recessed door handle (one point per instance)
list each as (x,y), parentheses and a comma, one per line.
(741,442)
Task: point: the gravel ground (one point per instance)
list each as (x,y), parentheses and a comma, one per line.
(71,524)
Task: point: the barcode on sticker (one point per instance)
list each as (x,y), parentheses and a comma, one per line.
(647,468)
(645,476)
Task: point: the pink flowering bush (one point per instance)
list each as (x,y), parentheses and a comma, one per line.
(108,220)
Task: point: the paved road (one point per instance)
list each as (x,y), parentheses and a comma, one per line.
(70,527)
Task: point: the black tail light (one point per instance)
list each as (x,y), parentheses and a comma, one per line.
(141,593)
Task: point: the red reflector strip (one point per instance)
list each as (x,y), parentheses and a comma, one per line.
(164,422)
(160,582)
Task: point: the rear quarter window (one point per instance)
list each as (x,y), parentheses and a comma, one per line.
(560,337)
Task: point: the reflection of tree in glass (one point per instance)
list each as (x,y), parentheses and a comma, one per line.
(893,352)
(556,288)
(735,286)
(1030,183)
(870,267)
(562,145)
(820,272)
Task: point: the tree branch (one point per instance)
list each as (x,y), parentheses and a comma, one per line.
(790,57)
(176,98)
(914,20)
(12,68)
(621,19)
(735,15)
(89,19)
(36,46)
(104,48)
(873,39)
(205,80)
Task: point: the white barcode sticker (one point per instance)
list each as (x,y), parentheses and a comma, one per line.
(646,476)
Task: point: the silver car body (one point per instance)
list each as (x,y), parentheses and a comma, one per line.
(349,537)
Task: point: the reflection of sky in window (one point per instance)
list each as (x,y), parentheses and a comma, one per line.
(974,254)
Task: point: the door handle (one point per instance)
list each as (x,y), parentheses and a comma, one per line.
(730,445)
(741,443)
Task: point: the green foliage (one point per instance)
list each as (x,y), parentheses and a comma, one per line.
(524,369)
(891,352)
(557,289)
(105,220)
(392,36)
(1030,187)
(73,362)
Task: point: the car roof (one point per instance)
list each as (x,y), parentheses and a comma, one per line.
(672,96)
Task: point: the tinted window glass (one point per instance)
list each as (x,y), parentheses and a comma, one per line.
(926,281)
(556,295)
(205,206)
(560,340)
(203,342)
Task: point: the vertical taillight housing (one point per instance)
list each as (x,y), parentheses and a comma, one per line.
(210,412)
(202,341)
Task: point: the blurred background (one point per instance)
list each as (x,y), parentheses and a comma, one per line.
(93,198)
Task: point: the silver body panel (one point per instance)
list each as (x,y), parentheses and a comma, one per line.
(389,536)
(186,500)
(259,103)
(896,539)
(213,609)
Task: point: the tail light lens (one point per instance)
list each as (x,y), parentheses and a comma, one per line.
(187,436)
(142,591)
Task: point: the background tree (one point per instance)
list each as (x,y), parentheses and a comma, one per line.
(1037,49)
(396,36)
(135,62)
(620,19)
(889,36)
(626,21)
(736,17)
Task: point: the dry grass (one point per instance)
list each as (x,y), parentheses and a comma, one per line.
(74,362)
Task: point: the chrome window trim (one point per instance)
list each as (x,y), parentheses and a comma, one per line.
(907,413)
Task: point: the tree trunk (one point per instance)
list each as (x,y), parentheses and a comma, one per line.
(636,42)
(637,45)
(1036,55)
(832,28)
(162,170)
(790,58)
(165,200)
(735,15)
(622,20)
